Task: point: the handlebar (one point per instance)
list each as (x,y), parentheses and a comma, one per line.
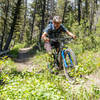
(60,39)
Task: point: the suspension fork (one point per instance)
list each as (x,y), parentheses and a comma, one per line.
(70,58)
(62,54)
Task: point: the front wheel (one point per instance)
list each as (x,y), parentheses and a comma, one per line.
(70,60)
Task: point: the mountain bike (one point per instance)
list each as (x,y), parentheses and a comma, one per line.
(65,56)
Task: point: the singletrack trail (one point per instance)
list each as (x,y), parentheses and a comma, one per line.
(24,61)
(94,79)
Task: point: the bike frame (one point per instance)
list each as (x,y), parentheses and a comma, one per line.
(63,57)
(62,51)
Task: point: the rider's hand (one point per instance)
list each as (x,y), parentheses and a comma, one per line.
(46,39)
(70,34)
(74,36)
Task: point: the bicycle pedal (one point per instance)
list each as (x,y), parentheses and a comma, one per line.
(56,73)
(60,68)
(51,71)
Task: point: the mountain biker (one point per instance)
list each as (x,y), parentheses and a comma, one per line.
(53,30)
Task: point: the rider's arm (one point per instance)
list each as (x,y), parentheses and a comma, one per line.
(45,33)
(64,29)
(70,34)
(44,37)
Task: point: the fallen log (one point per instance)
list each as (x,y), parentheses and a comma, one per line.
(4,52)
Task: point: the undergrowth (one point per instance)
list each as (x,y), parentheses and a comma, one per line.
(46,86)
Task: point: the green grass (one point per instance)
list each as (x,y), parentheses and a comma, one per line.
(45,86)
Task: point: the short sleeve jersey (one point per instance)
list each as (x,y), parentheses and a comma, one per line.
(53,32)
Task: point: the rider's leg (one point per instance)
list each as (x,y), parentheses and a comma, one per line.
(49,57)
(60,62)
(57,45)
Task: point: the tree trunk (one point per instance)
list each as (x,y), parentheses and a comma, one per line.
(42,21)
(23,27)
(5,24)
(91,15)
(79,11)
(17,10)
(64,11)
(86,8)
(33,20)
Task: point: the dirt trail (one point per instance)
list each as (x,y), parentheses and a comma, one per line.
(24,61)
(93,79)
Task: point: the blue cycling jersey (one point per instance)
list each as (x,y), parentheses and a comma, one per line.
(53,32)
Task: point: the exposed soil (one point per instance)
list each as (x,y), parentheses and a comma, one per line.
(93,79)
(24,61)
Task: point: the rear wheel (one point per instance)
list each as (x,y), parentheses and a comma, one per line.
(70,61)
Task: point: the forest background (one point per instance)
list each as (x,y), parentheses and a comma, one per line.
(21,26)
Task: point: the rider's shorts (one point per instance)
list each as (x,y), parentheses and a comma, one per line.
(48,46)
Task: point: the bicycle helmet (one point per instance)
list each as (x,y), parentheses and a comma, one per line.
(57,19)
